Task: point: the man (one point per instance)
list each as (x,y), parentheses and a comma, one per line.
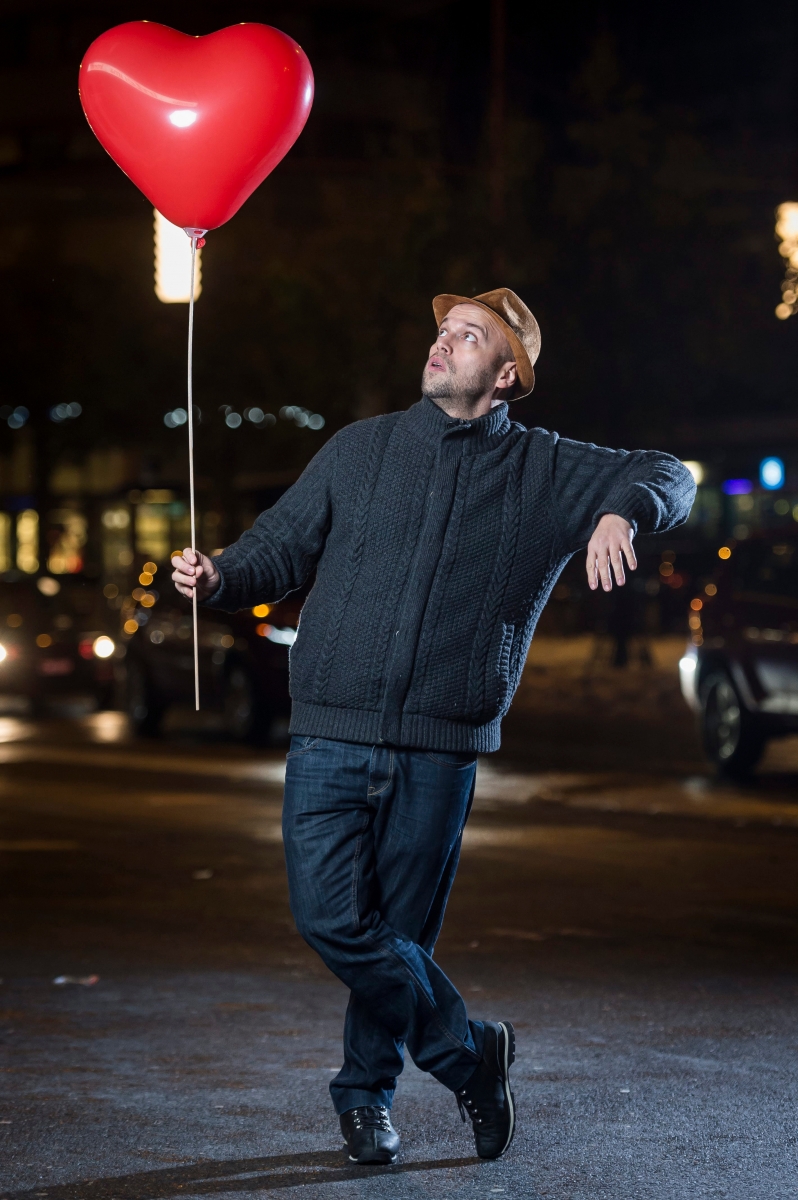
(436,535)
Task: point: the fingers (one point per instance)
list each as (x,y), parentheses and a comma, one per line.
(188,571)
(628,549)
(617,565)
(605,559)
(604,569)
(611,541)
(592,568)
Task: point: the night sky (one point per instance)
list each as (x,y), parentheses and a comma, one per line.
(619,170)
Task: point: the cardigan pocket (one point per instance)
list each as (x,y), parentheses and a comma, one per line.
(491,679)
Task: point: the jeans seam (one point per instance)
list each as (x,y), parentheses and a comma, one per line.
(436,1016)
(387,784)
(303,749)
(440,762)
(355,876)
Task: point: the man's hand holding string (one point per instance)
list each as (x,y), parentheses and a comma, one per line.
(194,570)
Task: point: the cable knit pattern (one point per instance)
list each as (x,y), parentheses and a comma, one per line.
(436,543)
(495,595)
(380,432)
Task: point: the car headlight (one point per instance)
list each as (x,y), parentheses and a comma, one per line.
(103,646)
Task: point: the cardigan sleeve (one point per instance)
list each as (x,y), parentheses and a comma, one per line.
(654,492)
(281,549)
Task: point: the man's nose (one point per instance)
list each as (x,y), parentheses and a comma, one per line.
(442,347)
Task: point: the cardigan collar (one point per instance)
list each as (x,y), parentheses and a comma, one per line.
(430,423)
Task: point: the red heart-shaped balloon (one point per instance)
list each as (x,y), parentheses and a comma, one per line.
(196,122)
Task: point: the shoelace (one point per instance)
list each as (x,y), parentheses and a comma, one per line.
(467,1105)
(375,1117)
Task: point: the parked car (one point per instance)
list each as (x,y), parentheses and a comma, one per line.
(740,672)
(243,665)
(58,643)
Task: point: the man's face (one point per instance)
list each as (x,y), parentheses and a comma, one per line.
(469,357)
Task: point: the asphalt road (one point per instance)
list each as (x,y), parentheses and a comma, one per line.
(636,922)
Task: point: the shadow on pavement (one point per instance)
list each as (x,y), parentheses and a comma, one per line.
(231,1175)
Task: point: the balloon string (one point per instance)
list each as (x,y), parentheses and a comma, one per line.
(191,463)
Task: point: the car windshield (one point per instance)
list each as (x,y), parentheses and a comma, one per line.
(767,569)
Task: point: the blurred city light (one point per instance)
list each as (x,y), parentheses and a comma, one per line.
(64,412)
(771,474)
(3,653)
(787,233)
(103,646)
(16,417)
(173,263)
(724,552)
(696,469)
(48,586)
(302,416)
(28,541)
(282,637)
(69,533)
(738,487)
(5,542)
(258,417)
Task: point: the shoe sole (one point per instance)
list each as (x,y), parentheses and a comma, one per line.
(508,1060)
(377,1161)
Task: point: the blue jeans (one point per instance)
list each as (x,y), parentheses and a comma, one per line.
(372,841)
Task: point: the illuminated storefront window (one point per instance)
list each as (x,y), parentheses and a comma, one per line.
(28,541)
(116,531)
(152,531)
(68,534)
(5,542)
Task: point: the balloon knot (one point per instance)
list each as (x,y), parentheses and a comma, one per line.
(200,243)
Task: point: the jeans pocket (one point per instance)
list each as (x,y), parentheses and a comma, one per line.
(452,758)
(301,745)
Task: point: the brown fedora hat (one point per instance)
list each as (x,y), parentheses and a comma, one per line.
(516,323)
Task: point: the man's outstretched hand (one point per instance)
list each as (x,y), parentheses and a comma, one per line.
(612,538)
(194,570)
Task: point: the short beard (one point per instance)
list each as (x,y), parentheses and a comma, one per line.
(461,394)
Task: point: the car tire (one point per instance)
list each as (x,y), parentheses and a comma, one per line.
(246,718)
(731,735)
(144,707)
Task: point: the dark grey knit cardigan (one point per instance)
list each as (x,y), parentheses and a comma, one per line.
(436,543)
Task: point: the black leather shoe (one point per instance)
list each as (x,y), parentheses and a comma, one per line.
(369,1134)
(487,1098)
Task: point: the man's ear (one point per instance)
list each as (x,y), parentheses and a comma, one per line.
(508,377)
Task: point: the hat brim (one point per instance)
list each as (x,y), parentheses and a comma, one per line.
(441,305)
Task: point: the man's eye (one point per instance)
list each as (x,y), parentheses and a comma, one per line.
(470,335)
(441,333)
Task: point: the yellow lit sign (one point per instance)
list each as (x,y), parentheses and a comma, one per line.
(173,263)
